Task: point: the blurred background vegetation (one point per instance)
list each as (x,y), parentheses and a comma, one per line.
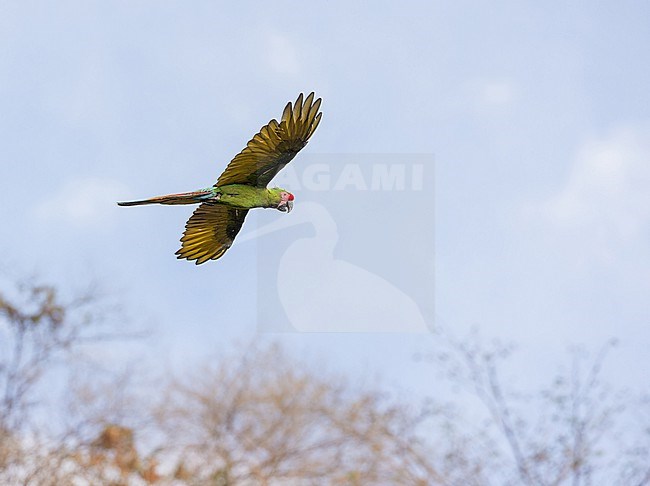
(259,415)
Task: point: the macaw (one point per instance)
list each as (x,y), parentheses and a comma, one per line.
(213,226)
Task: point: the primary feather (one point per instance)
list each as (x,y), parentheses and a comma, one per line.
(210,232)
(275,145)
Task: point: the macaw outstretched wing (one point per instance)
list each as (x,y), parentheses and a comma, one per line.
(210,231)
(275,145)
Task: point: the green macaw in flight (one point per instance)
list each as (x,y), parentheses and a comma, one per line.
(212,228)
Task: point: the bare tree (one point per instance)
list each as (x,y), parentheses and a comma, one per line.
(39,331)
(571,433)
(258,417)
(261,418)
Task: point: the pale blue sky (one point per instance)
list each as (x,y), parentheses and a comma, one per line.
(538,116)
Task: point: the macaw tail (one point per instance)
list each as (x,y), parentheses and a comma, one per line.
(194,197)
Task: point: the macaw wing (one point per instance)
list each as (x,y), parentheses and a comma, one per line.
(210,231)
(274,146)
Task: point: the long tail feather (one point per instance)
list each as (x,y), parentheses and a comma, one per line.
(194,197)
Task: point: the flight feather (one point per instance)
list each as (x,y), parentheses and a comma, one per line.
(275,145)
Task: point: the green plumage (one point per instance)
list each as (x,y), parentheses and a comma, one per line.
(215,223)
(248,197)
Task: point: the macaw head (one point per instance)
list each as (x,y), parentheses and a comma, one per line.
(285,203)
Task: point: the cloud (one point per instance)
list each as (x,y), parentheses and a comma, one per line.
(282,56)
(497,92)
(605,197)
(81,202)
(488,94)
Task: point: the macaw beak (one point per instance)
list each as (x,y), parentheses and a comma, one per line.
(285,206)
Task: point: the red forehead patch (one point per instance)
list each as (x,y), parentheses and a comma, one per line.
(290,197)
